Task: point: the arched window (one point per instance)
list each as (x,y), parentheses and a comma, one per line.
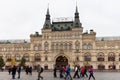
(77,58)
(65,46)
(17,48)
(46,58)
(61,46)
(37,47)
(26,57)
(37,57)
(70,46)
(111,57)
(8,57)
(100,57)
(52,46)
(46,66)
(46,46)
(56,46)
(89,46)
(101,67)
(84,46)
(17,57)
(77,46)
(87,57)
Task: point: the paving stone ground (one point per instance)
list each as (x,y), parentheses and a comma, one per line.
(49,76)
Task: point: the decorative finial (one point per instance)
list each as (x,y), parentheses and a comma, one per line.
(48,9)
(76,7)
(48,5)
(76,2)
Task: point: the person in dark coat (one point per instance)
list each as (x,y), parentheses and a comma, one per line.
(27,69)
(9,70)
(30,70)
(14,72)
(61,72)
(39,70)
(19,71)
(55,70)
(86,71)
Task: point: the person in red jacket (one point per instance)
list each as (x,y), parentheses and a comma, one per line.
(83,72)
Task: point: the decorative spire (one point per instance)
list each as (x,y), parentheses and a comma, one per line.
(77,23)
(48,15)
(47,24)
(76,12)
(76,9)
(48,10)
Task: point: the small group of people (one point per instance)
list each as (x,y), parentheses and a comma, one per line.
(83,72)
(28,70)
(64,72)
(80,72)
(12,70)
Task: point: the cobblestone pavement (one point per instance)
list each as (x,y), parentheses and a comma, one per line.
(49,76)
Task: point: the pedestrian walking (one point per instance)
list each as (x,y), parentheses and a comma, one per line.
(30,70)
(19,71)
(83,72)
(54,72)
(76,72)
(61,72)
(9,70)
(13,72)
(80,72)
(64,71)
(27,70)
(68,73)
(91,73)
(86,71)
(39,70)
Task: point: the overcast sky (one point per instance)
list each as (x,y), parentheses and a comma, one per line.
(20,18)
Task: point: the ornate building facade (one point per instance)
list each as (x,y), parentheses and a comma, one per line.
(63,42)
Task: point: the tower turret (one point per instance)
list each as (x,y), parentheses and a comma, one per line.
(77,23)
(47,24)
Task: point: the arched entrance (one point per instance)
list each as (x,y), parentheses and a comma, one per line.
(46,67)
(112,66)
(101,67)
(61,61)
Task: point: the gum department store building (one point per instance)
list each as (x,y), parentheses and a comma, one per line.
(63,42)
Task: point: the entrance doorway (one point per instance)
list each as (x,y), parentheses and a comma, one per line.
(101,67)
(61,61)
